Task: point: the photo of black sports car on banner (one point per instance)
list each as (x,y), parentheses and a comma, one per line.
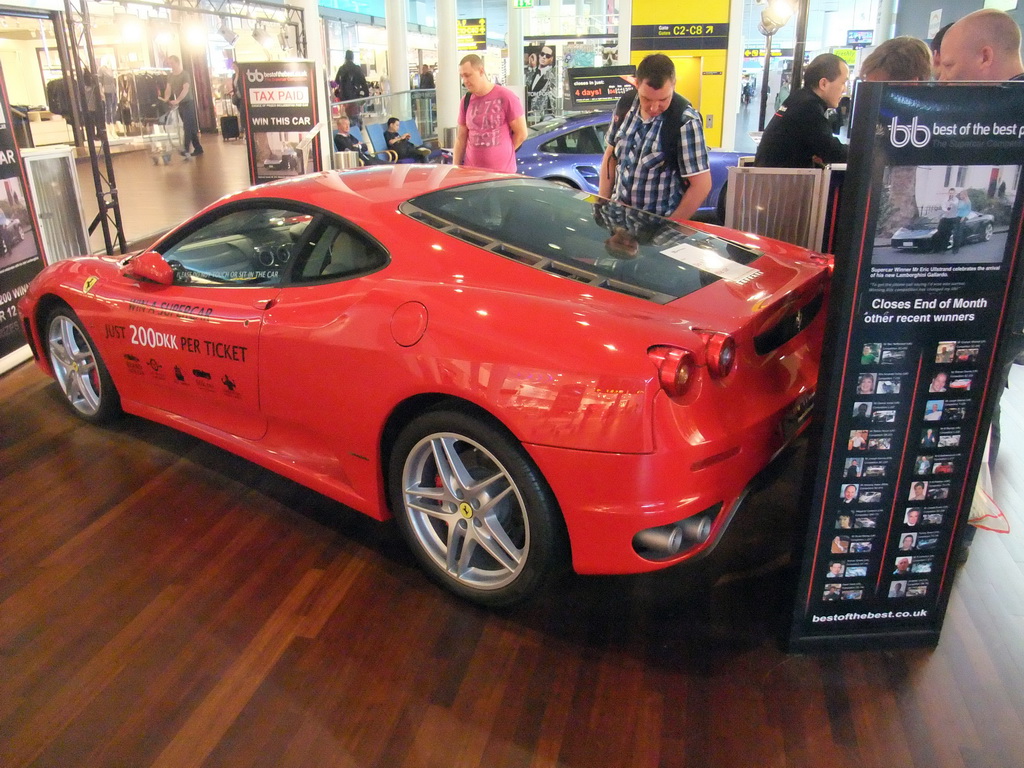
(945,214)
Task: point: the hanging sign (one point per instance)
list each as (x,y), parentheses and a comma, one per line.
(674,37)
(20,257)
(471,34)
(280,112)
(928,246)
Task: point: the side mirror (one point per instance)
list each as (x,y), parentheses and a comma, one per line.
(150,266)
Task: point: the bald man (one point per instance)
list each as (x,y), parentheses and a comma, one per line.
(984,45)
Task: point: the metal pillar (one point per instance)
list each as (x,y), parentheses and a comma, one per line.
(800,46)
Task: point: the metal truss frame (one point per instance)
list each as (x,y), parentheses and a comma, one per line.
(76,15)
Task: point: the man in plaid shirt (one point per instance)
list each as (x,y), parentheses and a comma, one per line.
(636,170)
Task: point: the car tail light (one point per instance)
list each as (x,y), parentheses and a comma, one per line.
(720,353)
(675,368)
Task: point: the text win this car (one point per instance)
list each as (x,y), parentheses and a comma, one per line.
(521,375)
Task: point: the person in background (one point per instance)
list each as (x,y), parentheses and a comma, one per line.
(178,93)
(94,101)
(936,47)
(351,85)
(426,77)
(492,123)
(344,141)
(901,59)
(799,134)
(784,90)
(984,45)
(634,170)
(402,144)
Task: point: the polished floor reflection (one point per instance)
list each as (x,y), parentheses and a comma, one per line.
(155,196)
(163,603)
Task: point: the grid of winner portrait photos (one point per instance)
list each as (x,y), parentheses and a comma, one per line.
(903,463)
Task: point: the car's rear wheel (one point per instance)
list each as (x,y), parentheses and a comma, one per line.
(79,370)
(987,235)
(474,508)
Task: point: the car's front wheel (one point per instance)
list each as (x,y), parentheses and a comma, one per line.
(79,370)
(987,234)
(474,509)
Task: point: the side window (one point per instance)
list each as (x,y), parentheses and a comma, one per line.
(585,141)
(245,247)
(340,253)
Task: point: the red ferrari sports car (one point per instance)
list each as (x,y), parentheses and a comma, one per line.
(521,375)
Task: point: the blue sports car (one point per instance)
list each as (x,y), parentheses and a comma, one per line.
(568,150)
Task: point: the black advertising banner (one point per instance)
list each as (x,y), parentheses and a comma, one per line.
(280,110)
(19,247)
(603,86)
(471,34)
(679,37)
(928,246)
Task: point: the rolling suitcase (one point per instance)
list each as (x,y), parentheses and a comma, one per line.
(229,127)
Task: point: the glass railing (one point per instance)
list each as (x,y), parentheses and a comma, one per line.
(418,105)
(421,106)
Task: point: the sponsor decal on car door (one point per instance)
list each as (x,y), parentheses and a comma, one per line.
(193,352)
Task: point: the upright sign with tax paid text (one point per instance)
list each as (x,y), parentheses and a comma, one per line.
(280,112)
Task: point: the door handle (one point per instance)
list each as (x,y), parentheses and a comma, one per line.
(263,303)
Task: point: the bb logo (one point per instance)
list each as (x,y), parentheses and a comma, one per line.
(914,134)
(254,76)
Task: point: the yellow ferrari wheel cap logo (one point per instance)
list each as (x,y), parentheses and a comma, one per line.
(466,510)
(89,283)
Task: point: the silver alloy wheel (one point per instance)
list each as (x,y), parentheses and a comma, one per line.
(987,235)
(465,511)
(74,363)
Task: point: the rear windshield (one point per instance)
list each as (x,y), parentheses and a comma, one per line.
(584,237)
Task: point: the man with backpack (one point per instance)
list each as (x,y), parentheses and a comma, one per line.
(656,158)
(351,85)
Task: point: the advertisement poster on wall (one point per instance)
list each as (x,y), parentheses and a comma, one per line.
(20,258)
(282,125)
(925,257)
(600,87)
(541,80)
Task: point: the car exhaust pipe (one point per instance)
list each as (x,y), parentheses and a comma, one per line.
(663,541)
(696,529)
(669,540)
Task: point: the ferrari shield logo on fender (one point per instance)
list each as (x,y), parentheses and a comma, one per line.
(89,283)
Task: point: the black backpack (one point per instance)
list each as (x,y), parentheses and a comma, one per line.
(670,126)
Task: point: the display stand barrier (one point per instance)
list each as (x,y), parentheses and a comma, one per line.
(53,185)
(920,317)
(787,204)
(20,258)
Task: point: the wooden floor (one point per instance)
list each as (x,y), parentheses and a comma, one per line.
(163,603)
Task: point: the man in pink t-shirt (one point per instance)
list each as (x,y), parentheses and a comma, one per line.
(492,126)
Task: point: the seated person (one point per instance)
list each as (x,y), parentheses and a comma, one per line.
(401,144)
(346,142)
(800,135)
